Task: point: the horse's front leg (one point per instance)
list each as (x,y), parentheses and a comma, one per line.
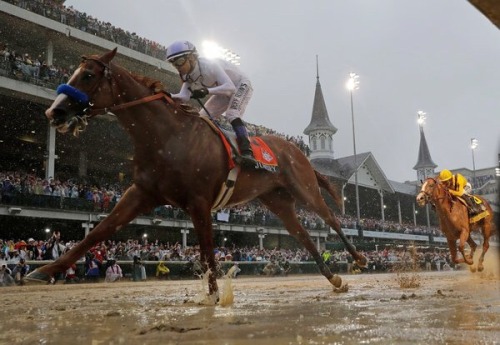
(453,251)
(464,237)
(202,221)
(132,203)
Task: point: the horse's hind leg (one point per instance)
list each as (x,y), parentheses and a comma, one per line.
(132,203)
(310,196)
(282,205)
(487,228)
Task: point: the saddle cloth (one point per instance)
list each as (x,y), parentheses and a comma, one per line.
(474,215)
(265,157)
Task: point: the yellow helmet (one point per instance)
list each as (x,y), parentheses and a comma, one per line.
(445,175)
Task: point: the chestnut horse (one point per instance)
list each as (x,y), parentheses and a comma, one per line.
(455,223)
(179,160)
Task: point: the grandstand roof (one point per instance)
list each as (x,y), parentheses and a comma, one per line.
(329,167)
(345,167)
(404,188)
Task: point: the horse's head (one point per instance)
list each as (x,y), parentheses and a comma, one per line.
(86,87)
(425,194)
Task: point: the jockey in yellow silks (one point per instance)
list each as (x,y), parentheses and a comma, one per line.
(458,186)
(455,183)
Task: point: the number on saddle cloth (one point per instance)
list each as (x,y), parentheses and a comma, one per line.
(263,154)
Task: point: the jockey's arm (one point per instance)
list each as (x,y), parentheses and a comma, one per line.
(184,94)
(460,184)
(224,85)
(458,192)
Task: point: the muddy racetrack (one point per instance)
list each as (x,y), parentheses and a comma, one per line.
(453,307)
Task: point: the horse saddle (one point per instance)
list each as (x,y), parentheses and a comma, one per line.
(475,206)
(265,157)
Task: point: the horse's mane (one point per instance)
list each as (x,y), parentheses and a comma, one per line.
(150,83)
(157,86)
(443,189)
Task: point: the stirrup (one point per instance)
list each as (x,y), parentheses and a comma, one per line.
(246,160)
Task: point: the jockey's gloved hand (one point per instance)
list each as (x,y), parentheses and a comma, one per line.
(199,93)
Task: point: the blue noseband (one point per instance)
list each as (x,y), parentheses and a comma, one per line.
(73,93)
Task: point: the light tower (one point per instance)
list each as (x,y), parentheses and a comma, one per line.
(353,84)
(473,145)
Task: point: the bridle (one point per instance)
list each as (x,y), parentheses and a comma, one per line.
(85,100)
(428,194)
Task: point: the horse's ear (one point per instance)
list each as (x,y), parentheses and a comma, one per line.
(106,58)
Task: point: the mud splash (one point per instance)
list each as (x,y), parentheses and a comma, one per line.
(448,307)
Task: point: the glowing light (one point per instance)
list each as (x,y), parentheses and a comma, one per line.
(474,143)
(212,50)
(421,117)
(353,82)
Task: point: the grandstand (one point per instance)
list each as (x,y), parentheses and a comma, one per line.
(41,53)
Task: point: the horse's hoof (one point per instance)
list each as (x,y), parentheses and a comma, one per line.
(480,268)
(472,269)
(363,262)
(40,277)
(336,281)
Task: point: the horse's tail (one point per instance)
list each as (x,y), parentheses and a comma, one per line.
(330,188)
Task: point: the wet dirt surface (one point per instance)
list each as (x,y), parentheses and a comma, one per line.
(453,307)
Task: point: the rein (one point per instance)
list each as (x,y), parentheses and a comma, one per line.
(433,201)
(84,99)
(89,112)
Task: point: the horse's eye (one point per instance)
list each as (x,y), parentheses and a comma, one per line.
(87,76)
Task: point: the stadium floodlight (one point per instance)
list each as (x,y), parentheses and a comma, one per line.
(421,117)
(473,146)
(213,50)
(353,82)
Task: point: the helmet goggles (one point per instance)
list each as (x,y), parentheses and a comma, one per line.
(178,61)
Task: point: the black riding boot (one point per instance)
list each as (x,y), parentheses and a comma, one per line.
(243,142)
(471,203)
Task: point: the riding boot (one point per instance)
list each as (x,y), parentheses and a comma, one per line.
(243,141)
(470,203)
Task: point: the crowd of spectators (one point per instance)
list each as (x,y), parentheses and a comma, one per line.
(101,197)
(31,67)
(14,255)
(82,21)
